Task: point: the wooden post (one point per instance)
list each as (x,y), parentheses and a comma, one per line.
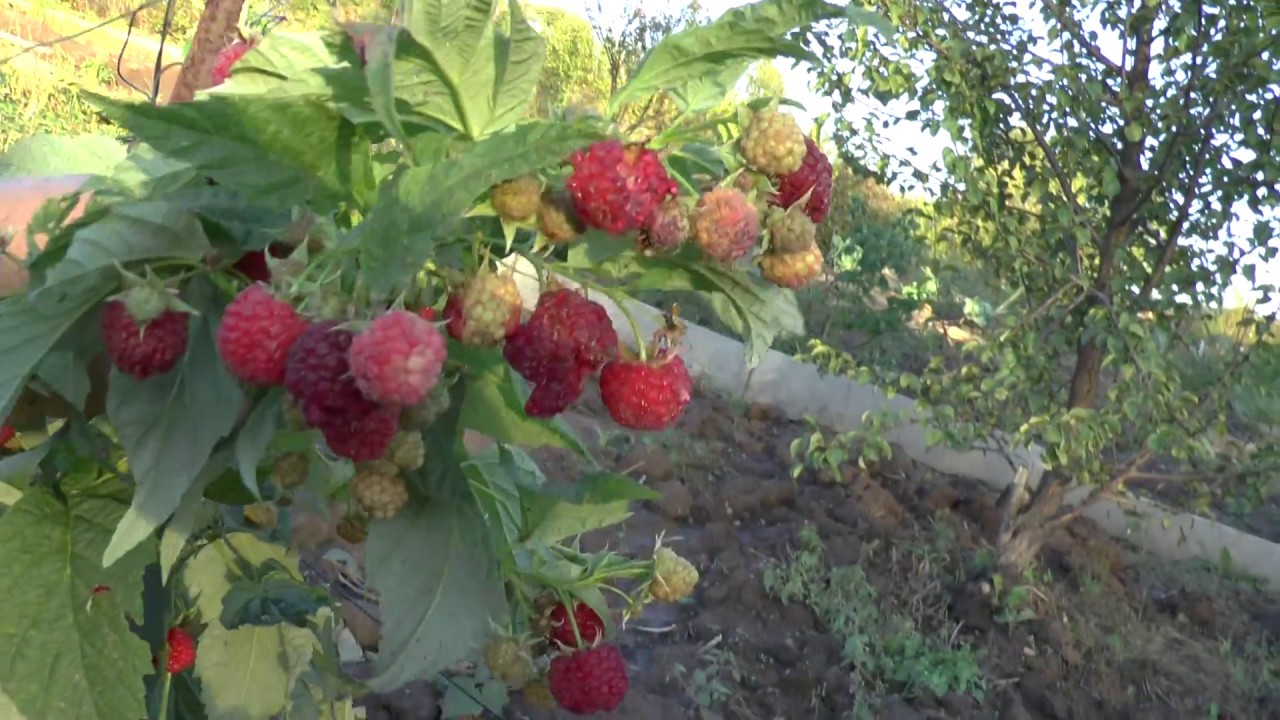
(218,23)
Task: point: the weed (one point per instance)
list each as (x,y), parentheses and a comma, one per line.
(705,685)
(886,652)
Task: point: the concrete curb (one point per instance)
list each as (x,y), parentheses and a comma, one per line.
(797,389)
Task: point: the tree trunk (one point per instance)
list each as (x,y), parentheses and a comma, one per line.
(1088,373)
(218,23)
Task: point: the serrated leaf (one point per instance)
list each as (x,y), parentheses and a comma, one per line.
(470,76)
(436,607)
(268,593)
(751,32)
(255,437)
(65,369)
(755,312)
(31,325)
(192,514)
(168,425)
(494,405)
(380,73)
(423,204)
(43,154)
(261,145)
(498,473)
(595,501)
(129,232)
(247,673)
(85,663)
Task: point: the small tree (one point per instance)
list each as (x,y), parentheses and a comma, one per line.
(1106,153)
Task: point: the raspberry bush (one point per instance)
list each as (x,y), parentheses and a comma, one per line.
(304,286)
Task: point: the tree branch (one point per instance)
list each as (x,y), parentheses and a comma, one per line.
(1077,33)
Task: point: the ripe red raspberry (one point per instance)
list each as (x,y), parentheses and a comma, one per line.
(646,395)
(7,433)
(429,314)
(590,626)
(725,224)
(615,187)
(256,334)
(589,681)
(398,358)
(485,310)
(226,59)
(182,651)
(814,174)
(666,229)
(152,349)
(565,329)
(318,376)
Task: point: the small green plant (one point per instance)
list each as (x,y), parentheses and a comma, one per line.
(706,684)
(887,652)
(826,454)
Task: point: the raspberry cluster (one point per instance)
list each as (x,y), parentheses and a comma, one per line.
(566,340)
(616,187)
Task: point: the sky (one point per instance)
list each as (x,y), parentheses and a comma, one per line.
(906,134)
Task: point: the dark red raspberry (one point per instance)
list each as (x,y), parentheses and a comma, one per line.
(318,376)
(557,393)
(815,174)
(398,358)
(646,395)
(153,349)
(182,651)
(256,334)
(616,187)
(589,681)
(226,59)
(590,626)
(362,438)
(254,264)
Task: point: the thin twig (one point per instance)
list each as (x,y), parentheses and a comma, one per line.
(82,33)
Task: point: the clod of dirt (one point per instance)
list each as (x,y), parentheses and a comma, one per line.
(676,500)
(652,463)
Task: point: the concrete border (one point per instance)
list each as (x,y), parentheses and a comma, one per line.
(797,389)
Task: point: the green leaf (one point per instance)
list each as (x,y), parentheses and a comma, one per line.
(43,154)
(595,501)
(31,325)
(193,513)
(437,606)
(379,70)
(423,204)
(757,313)
(269,594)
(494,405)
(500,472)
(471,77)
(168,425)
(752,32)
(130,232)
(16,470)
(262,145)
(255,437)
(83,662)
(246,673)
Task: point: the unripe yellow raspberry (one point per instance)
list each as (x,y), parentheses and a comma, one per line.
(378,488)
(673,577)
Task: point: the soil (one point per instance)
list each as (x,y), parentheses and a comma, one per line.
(1104,632)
